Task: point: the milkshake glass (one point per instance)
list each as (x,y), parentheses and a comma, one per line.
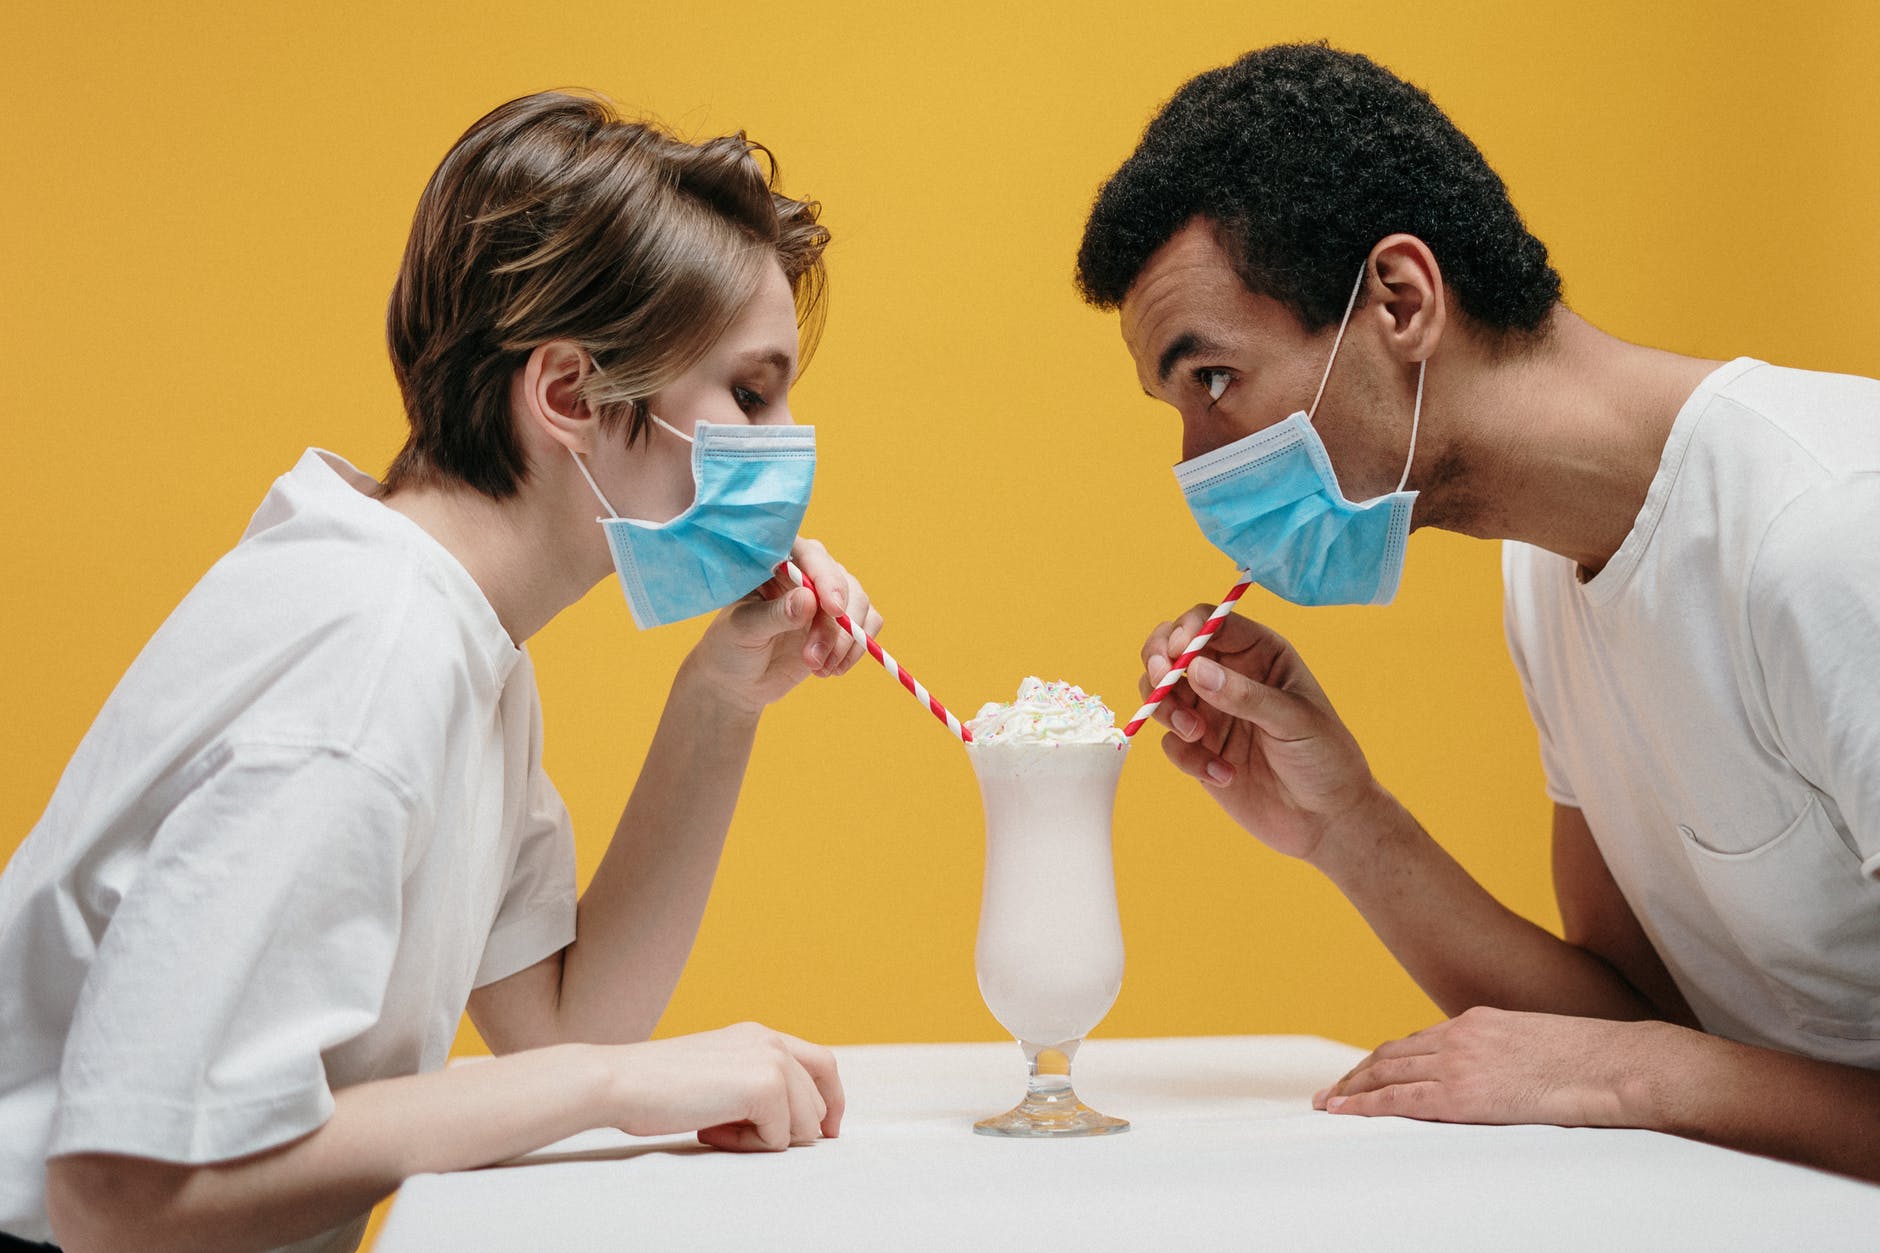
(1050,948)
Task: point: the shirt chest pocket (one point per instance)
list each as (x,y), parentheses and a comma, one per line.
(1804,913)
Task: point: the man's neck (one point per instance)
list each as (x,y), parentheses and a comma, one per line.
(1557,446)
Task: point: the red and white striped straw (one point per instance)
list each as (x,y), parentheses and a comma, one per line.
(1182,663)
(893,667)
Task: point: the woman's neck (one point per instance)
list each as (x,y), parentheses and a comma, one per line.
(520,550)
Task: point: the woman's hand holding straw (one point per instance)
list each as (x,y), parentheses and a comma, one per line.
(790,570)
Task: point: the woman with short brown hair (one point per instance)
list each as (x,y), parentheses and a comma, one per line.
(311,824)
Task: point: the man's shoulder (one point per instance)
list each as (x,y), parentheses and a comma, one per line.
(1775,415)
(1821,546)
(1776,484)
(1796,456)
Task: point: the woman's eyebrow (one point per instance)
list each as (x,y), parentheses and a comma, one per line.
(775,358)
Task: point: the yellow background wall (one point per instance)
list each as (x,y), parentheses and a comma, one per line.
(202,215)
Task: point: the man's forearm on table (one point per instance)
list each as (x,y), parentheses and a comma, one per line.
(1761,1100)
(1462,946)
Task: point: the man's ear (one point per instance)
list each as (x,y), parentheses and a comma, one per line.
(1406,296)
(548,395)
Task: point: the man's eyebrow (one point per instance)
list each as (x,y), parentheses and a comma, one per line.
(1183,346)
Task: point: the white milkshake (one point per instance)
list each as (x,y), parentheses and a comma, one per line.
(1050,949)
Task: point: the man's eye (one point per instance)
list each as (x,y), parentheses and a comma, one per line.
(1214,381)
(748,400)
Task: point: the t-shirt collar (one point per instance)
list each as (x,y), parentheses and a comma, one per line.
(331,482)
(1613,576)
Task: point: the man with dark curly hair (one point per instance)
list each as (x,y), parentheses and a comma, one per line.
(1692,603)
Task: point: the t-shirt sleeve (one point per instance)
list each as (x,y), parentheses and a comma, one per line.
(537,914)
(260,932)
(1815,625)
(1521,617)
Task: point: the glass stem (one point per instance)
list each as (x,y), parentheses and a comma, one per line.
(1050,1070)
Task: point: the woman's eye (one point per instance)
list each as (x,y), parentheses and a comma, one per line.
(748,400)
(1214,381)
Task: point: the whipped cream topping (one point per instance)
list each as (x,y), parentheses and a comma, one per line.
(1046,713)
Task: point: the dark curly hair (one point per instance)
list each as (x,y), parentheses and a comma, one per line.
(1304,157)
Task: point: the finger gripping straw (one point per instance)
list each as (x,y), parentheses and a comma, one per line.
(790,570)
(1182,663)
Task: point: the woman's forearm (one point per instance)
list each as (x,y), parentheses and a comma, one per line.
(380,1133)
(640,914)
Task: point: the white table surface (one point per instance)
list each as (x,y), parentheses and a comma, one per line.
(1225,1153)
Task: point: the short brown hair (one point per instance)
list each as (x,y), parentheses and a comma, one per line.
(555,218)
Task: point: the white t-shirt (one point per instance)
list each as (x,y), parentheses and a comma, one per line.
(311,817)
(1711,702)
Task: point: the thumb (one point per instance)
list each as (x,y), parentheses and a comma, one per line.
(739,1137)
(760,620)
(1281,714)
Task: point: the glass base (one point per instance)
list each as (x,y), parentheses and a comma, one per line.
(1050,1114)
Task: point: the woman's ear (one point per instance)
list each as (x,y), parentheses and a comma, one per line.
(1407,296)
(548,396)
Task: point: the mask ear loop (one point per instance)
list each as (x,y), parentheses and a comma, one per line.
(670,427)
(1416,416)
(582,466)
(1340,338)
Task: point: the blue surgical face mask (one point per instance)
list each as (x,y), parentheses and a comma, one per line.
(751,489)
(1271,502)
